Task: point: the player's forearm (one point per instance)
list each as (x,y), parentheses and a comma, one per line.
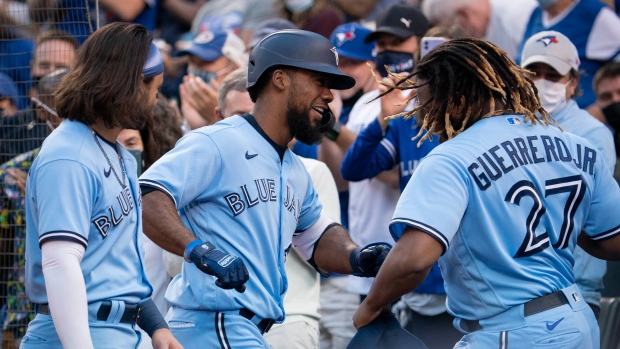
(404,269)
(333,251)
(606,249)
(331,155)
(66,292)
(161,223)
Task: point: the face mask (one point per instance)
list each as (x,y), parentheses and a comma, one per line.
(612,114)
(552,95)
(298,6)
(398,62)
(204,75)
(546,3)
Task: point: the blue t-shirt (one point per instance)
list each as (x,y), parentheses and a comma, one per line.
(507,201)
(15,62)
(72,194)
(245,194)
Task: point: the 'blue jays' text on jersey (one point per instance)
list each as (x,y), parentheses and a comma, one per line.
(72,195)
(232,188)
(373,153)
(507,201)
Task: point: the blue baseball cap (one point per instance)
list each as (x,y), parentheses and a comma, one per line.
(209,46)
(7,88)
(385,332)
(349,41)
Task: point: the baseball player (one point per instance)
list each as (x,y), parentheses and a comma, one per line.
(243,198)
(504,200)
(84,271)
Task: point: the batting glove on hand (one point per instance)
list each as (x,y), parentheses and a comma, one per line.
(229,270)
(367,260)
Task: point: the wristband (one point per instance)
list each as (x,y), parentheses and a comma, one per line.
(334,132)
(197,247)
(149,318)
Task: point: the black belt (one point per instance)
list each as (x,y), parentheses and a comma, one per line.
(264,325)
(130,315)
(532,307)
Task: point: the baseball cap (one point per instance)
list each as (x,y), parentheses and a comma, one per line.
(349,41)
(267,27)
(7,88)
(385,332)
(552,48)
(402,21)
(209,46)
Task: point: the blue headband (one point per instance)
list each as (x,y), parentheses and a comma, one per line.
(154,64)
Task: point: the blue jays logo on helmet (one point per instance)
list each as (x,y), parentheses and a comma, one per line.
(343,37)
(548,40)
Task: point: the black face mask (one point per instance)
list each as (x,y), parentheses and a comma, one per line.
(612,114)
(398,62)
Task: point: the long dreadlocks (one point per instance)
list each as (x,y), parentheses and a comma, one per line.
(465,78)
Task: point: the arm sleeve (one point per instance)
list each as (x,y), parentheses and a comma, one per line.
(64,281)
(370,154)
(304,242)
(179,175)
(65,192)
(434,200)
(604,39)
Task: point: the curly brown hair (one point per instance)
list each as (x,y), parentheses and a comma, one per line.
(161,132)
(465,78)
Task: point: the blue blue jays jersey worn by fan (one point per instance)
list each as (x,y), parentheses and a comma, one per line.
(373,153)
(386,151)
(554,186)
(248,196)
(68,202)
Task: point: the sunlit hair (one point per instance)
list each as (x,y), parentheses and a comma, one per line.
(465,77)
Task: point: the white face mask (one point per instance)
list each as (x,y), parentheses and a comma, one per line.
(298,6)
(552,95)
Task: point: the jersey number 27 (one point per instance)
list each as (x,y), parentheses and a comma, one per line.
(532,244)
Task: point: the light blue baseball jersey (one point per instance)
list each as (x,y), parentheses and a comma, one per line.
(233,189)
(72,195)
(589,271)
(507,200)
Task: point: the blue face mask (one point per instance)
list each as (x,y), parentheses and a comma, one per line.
(398,62)
(546,3)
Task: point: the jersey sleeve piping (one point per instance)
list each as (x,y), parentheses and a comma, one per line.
(390,148)
(63,235)
(425,228)
(157,186)
(607,234)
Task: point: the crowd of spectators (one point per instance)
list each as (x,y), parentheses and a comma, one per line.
(205,45)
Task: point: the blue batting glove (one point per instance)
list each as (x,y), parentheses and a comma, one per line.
(229,270)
